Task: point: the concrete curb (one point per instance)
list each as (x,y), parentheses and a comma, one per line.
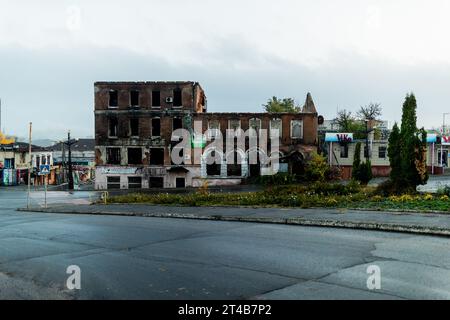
(368,225)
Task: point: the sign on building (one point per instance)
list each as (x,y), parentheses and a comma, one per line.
(445,140)
(339,137)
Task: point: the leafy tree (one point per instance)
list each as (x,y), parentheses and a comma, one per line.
(407,150)
(394,153)
(275,105)
(348,123)
(412,144)
(356,162)
(370,112)
(344,120)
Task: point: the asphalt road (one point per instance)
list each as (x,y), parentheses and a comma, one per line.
(151,258)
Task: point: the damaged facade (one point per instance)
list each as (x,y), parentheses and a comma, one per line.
(134,125)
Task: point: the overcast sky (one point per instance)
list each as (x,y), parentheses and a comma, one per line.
(347,53)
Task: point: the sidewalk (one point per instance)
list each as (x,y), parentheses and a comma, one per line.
(418,223)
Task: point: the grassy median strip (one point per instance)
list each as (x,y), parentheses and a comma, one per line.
(302,196)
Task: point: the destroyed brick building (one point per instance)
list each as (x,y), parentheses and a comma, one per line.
(134,125)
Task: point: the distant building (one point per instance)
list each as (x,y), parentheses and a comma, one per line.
(134,125)
(341,151)
(14,162)
(82,157)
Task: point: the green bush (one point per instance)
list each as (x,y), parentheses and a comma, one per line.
(365,172)
(444,191)
(316,168)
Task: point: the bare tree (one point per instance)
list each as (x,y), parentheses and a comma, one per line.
(372,111)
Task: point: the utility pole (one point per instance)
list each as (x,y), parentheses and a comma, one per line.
(63,162)
(366,152)
(69,143)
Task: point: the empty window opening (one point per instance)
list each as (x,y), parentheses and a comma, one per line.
(177,100)
(134,182)
(156,127)
(177,123)
(234,169)
(134,98)
(113,182)
(113,98)
(156,99)
(156,182)
(180,182)
(157,156)
(113,125)
(212,169)
(113,155)
(134,127)
(134,155)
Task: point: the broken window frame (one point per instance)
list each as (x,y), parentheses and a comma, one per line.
(255,124)
(213,130)
(235,169)
(280,129)
(113,159)
(158,94)
(231,127)
(295,122)
(134,129)
(177,98)
(113,103)
(135,98)
(173,123)
(160,183)
(153,162)
(110,135)
(153,127)
(136,159)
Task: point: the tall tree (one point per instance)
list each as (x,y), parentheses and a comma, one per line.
(394,148)
(409,167)
(356,161)
(408,137)
(370,112)
(275,105)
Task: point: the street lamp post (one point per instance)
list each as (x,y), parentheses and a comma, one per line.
(69,143)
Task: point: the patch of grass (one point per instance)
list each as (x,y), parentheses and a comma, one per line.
(323,195)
